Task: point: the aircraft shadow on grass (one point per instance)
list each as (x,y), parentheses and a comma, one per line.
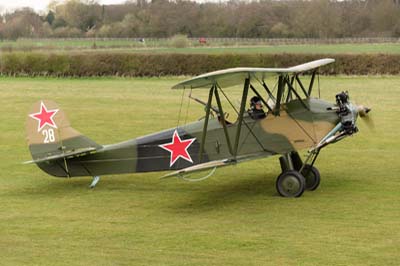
(190,195)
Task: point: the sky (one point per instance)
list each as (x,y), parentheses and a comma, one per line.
(39,5)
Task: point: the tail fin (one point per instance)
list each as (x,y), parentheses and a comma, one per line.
(51,138)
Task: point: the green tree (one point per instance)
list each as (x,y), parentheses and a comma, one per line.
(80,15)
(22,23)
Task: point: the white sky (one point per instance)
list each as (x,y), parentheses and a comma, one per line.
(40,5)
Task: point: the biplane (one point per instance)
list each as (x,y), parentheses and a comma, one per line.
(293,120)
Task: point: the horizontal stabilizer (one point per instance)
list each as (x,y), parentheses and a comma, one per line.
(67,155)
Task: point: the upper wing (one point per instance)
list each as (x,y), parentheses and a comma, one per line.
(234,76)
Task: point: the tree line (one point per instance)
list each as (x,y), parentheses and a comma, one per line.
(235,19)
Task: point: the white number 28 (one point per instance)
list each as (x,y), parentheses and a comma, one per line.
(49,135)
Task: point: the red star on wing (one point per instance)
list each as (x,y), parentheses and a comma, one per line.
(178,148)
(44,117)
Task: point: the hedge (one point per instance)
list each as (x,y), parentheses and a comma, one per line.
(131,64)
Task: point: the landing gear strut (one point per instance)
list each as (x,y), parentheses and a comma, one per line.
(296,176)
(96,180)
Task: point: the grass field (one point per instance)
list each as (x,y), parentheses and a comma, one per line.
(212,48)
(233,218)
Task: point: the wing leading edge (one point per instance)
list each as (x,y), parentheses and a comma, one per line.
(235,76)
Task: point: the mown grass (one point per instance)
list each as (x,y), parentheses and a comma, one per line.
(233,218)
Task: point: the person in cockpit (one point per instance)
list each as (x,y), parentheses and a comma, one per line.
(256,108)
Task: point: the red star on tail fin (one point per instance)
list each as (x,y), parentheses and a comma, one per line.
(44,117)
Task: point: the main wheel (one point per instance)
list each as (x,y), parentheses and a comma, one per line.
(312,176)
(290,184)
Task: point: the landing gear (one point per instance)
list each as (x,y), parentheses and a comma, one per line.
(312,177)
(96,180)
(290,184)
(296,176)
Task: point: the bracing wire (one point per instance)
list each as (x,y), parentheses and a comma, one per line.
(180,108)
(299,125)
(237,112)
(319,89)
(187,107)
(273,89)
(248,127)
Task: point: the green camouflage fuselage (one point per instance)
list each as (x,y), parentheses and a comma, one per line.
(295,128)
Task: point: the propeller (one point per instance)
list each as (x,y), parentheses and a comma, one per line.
(363,112)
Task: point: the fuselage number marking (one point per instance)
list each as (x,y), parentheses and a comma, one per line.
(49,135)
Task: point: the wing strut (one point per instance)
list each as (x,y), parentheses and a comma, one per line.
(281,88)
(208,109)
(302,87)
(291,89)
(268,90)
(241,113)
(310,87)
(222,117)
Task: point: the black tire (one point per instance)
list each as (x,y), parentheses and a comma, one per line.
(312,177)
(290,184)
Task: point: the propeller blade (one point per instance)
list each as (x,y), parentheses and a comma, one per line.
(363,112)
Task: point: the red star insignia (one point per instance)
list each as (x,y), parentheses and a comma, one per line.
(45,117)
(178,148)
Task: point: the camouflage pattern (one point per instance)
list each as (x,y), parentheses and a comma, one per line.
(72,154)
(293,123)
